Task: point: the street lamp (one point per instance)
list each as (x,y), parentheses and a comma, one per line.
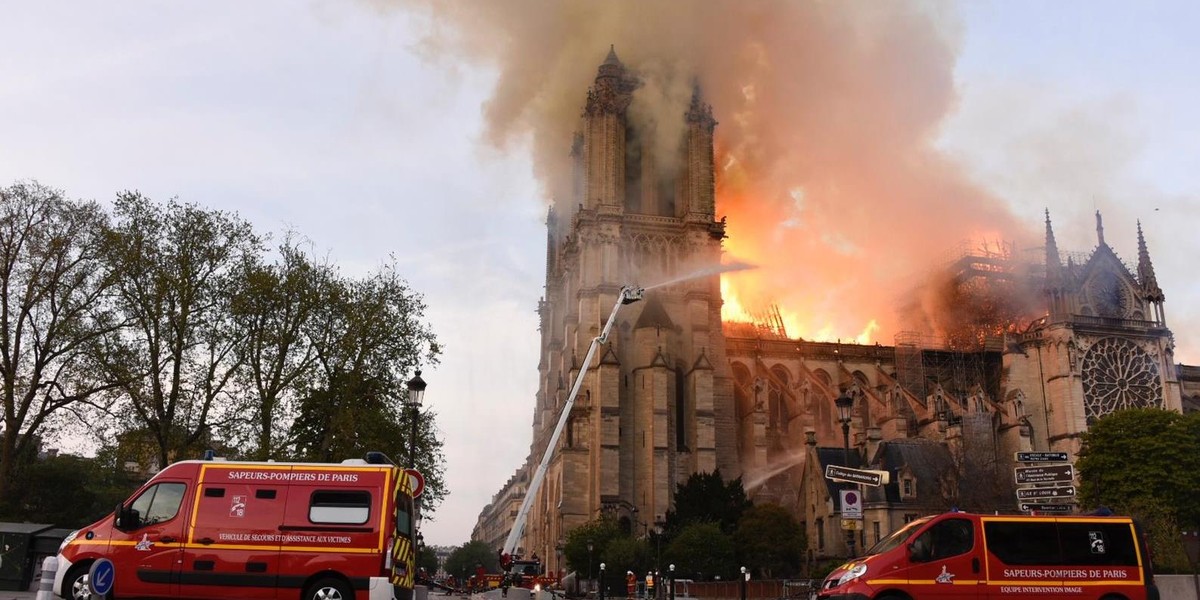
(844,403)
(590,546)
(416,393)
(745,578)
(672,569)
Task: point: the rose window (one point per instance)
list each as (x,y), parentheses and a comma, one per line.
(1117,374)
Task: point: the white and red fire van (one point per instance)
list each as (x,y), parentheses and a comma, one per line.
(960,555)
(224,529)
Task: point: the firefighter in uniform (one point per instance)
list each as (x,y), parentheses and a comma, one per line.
(630,585)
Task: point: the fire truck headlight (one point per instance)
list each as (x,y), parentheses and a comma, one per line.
(853,573)
(67,540)
(537,587)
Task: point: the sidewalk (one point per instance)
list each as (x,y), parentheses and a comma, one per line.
(10,595)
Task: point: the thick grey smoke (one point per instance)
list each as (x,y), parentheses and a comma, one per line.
(827,112)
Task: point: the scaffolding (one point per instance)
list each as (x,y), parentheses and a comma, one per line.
(924,362)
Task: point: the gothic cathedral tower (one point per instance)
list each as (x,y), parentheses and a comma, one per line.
(656,404)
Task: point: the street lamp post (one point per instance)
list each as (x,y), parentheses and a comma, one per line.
(590,546)
(745,579)
(672,576)
(416,393)
(844,403)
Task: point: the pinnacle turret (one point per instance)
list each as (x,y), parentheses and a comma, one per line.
(1053,265)
(1146,270)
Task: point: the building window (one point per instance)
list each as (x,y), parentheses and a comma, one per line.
(820,534)
(875,530)
(907,485)
(910,517)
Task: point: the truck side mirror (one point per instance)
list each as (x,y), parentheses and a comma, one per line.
(119,516)
(126,518)
(918,551)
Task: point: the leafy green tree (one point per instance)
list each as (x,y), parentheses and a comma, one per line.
(701,551)
(599,533)
(68,491)
(272,305)
(1146,463)
(462,560)
(368,338)
(53,315)
(625,554)
(769,541)
(174,265)
(705,497)
(1166,472)
(427,559)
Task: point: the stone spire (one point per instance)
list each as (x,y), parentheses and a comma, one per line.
(1053,265)
(699,111)
(611,92)
(1146,270)
(1099,228)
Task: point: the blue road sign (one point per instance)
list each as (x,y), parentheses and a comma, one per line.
(100,577)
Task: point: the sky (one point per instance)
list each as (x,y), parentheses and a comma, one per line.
(340,121)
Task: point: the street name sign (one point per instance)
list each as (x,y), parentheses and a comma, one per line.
(1041,457)
(1048,508)
(1043,493)
(869,477)
(1045,474)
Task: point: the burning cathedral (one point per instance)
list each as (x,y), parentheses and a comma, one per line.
(1039,347)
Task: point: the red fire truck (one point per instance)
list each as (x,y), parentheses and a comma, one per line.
(214,528)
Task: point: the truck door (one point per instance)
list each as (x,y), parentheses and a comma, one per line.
(234,541)
(1024,558)
(946,561)
(145,551)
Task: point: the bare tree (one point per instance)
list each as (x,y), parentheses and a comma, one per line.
(53,313)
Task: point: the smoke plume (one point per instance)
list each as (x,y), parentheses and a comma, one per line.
(825,169)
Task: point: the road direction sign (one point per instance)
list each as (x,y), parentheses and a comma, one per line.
(1045,474)
(1044,493)
(1048,508)
(852,524)
(1041,457)
(869,477)
(100,577)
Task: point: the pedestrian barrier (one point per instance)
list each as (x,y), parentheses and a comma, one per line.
(46,584)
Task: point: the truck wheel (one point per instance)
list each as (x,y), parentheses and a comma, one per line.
(329,588)
(75,586)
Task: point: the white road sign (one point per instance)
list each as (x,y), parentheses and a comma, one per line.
(851,504)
